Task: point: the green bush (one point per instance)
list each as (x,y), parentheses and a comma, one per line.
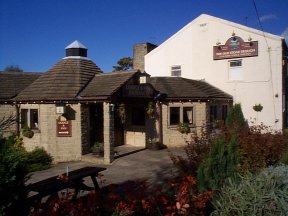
(221,163)
(13,174)
(235,118)
(263,194)
(39,159)
(284,157)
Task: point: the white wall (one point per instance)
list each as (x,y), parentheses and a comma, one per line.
(192,48)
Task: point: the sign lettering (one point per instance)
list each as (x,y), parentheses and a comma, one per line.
(235,47)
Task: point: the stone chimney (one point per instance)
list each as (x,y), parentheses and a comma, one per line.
(76,49)
(139,51)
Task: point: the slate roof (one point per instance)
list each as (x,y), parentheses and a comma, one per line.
(12,83)
(107,84)
(62,82)
(181,88)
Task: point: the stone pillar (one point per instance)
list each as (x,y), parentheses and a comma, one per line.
(159,122)
(108,130)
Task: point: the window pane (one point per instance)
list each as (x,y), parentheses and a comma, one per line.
(138,116)
(174,115)
(33,118)
(188,115)
(24,118)
(213,113)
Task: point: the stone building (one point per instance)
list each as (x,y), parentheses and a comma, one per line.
(74,104)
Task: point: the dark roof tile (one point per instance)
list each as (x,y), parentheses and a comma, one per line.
(12,83)
(63,81)
(181,88)
(107,83)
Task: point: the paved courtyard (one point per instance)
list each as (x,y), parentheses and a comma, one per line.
(153,166)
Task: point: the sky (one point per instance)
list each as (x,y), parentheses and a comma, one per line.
(34,33)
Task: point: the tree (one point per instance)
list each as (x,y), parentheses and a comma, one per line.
(125,63)
(14,68)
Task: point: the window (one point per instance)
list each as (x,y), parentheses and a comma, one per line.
(224,112)
(235,70)
(176,70)
(29,118)
(174,115)
(181,114)
(213,113)
(138,116)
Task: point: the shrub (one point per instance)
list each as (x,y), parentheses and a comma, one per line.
(39,159)
(221,163)
(195,151)
(13,174)
(235,118)
(260,147)
(262,194)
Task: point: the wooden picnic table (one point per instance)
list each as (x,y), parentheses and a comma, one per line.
(74,180)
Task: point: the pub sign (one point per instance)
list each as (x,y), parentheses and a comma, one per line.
(235,47)
(63,128)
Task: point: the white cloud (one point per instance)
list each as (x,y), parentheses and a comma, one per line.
(285,34)
(268,17)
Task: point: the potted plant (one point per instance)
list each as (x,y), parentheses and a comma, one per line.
(97,149)
(183,128)
(154,144)
(27,132)
(150,110)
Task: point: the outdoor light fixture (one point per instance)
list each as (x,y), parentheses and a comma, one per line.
(233,34)
(249,39)
(144,78)
(60,108)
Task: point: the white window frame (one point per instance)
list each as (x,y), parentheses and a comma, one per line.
(235,71)
(176,70)
(181,113)
(28,118)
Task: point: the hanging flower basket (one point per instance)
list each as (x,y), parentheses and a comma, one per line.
(183,128)
(121,111)
(27,132)
(150,110)
(257,107)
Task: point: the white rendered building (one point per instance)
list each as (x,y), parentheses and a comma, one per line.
(246,63)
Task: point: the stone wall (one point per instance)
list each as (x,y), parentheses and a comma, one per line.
(171,136)
(61,148)
(85,121)
(6,111)
(139,51)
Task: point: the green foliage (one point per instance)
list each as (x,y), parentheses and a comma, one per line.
(221,163)
(125,63)
(183,128)
(235,119)
(195,151)
(284,157)
(13,174)
(260,147)
(14,68)
(262,194)
(27,132)
(39,159)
